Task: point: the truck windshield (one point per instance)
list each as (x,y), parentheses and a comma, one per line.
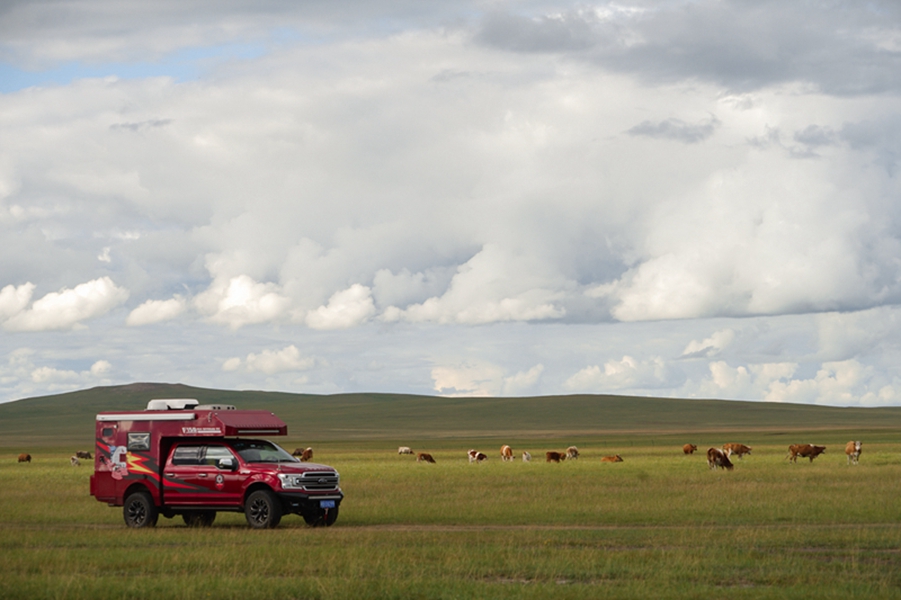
(254,451)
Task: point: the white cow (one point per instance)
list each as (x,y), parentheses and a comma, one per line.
(852,449)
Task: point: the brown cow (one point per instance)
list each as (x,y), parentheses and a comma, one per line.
(506,453)
(555,456)
(737,449)
(297,452)
(852,449)
(476,456)
(689,449)
(85,455)
(717,458)
(25,458)
(306,455)
(572,452)
(424,457)
(612,459)
(804,450)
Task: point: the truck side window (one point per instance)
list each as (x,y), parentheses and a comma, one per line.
(187,455)
(138,441)
(215,453)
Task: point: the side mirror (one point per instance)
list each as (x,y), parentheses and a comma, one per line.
(227,464)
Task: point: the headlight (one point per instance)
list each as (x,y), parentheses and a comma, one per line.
(290,482)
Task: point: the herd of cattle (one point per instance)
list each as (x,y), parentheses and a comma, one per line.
(717,458)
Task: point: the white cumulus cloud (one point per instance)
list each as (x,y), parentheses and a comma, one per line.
(156,311)
(345,309)
(627,373)
(271,361)
(68,307)
(239,301)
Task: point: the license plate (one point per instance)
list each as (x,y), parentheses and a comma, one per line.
(326,504)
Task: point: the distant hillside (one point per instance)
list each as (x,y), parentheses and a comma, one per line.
(67,419)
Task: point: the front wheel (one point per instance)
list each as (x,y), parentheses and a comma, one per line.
(139,510)
(320,517)
(263,510)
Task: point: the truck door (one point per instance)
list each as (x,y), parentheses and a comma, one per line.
(202,476)
(182,474)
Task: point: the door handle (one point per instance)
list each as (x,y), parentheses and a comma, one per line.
(201,474)
(172,475)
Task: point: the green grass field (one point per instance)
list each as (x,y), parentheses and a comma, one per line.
(658,525)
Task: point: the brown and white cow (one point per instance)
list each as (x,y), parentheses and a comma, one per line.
(424,457)
(476,456)
(689,449)
(717,458)
(84,455)
(852,449)
(612,459)
(555,456)
(74,461)
(804,450)
(737,449)
(25,458)
(306,455)
(404,450)
(572,452)
(526,457)
(506,453)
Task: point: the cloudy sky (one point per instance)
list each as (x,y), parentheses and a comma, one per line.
(672,198)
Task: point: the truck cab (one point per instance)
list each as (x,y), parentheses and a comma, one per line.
(182,458)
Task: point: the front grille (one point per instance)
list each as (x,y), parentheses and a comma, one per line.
(320,481)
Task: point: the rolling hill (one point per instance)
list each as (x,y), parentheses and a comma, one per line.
(67,420)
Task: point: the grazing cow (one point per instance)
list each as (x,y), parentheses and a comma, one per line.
(297,452)
(689,448)
(404,450)
(852,449)
(424,457)
(737,449)
(506,453)
(25,458)
(73,460)
(555,456)
(717,458)
(476,456)
(804,450)
(84,455)
(526,457)
(306,455)
(572,452)
(612,459)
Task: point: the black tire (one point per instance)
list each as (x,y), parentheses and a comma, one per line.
(331,517)
(320,517)
(263,510)
(139,510)
(200,518)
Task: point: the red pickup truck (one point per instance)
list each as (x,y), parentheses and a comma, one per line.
(182,458)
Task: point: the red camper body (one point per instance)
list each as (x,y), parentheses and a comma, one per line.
(182,458)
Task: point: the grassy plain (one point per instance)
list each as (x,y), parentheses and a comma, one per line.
(659,525)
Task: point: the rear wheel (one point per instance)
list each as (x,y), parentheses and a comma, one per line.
(263,510)
(139,510)
(200,518)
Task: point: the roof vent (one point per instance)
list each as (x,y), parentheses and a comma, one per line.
(172,404)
